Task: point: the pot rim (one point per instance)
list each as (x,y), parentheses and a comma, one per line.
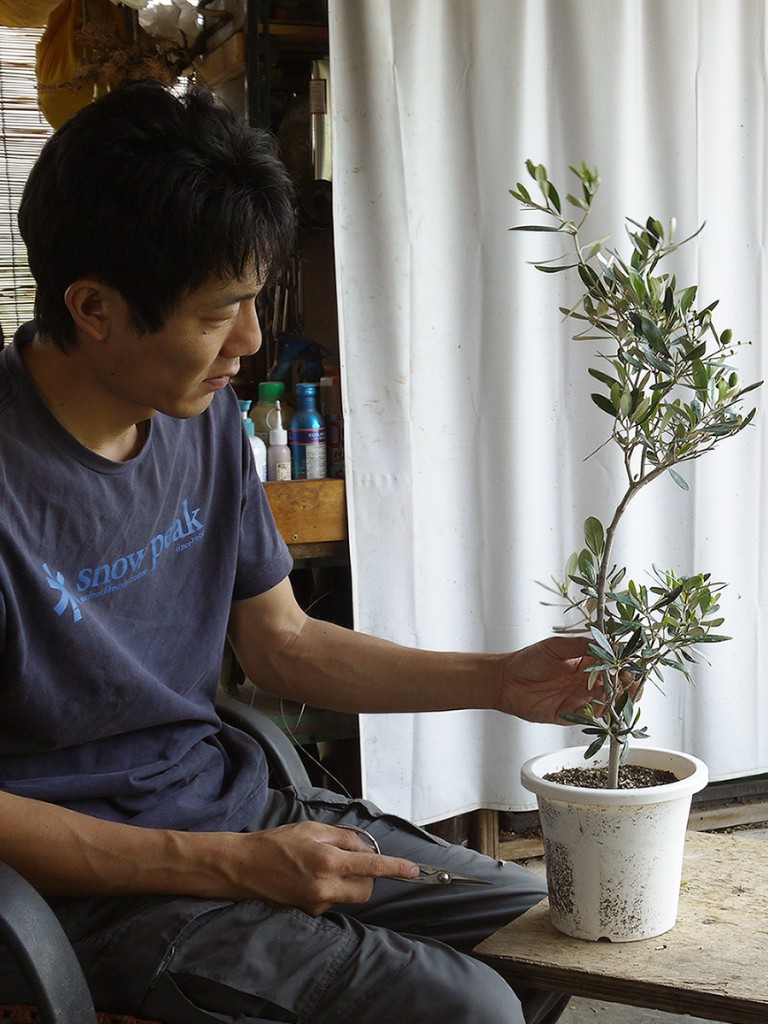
(694,776)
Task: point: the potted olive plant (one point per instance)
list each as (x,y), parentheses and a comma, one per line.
(666,383)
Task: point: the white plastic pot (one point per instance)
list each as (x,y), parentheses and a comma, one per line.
(614,858)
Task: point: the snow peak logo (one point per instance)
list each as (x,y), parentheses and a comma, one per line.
(98,581)
(67,599)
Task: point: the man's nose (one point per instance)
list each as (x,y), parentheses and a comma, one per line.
(245,337)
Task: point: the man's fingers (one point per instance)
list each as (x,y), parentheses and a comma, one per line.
(345,839)
(380,866)
(364,862)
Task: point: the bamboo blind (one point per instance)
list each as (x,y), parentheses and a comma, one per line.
(23,131)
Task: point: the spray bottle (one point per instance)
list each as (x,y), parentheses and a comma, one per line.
(307,436)
(278,453)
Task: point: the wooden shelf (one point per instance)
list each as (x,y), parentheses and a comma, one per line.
(309,511)
(301,35)
(225,63)
(228,60)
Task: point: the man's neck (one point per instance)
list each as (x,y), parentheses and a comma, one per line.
(64,384)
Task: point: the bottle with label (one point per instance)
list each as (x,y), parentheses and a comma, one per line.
(270,391)
(330,407)
(258,447)
(278,453)
(307,436)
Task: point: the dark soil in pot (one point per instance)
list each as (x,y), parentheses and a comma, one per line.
(631,776)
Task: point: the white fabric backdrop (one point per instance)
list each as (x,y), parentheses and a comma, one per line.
(467,405)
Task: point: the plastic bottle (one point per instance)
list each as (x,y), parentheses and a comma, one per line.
(307,436)
(330,407)
(270,392)
(258,447)
(278,453)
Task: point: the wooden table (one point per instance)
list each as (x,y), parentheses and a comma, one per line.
(712,964)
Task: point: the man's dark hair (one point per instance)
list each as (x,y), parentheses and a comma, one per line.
(154,194)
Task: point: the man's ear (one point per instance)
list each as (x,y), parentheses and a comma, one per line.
(91,306)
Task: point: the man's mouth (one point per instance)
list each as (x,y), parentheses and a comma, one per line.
(220,380)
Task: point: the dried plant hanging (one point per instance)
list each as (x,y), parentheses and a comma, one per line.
(91,46)
(109,61)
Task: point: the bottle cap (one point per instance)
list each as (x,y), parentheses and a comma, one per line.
(277,434)
(271,390)
(245,405)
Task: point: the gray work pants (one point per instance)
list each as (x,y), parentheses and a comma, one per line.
(404,955)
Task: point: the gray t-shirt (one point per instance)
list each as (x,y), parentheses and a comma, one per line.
(115,587)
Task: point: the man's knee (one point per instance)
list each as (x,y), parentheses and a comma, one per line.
(437,985)
(476,995)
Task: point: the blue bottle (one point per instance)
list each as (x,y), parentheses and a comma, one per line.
(306,436)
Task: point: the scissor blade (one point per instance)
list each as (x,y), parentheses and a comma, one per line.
(429,875)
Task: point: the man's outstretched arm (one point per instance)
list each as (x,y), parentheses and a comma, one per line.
(288,654)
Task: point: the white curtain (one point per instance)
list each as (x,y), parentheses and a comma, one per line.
(467,403)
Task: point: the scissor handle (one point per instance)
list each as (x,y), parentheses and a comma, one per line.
(365,835)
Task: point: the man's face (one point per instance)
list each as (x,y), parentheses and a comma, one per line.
(178,369)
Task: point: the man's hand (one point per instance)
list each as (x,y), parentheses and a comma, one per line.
(542,682)
(307,865)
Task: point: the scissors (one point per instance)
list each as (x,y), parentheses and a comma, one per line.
(427,875)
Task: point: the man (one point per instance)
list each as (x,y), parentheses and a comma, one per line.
(134,537)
